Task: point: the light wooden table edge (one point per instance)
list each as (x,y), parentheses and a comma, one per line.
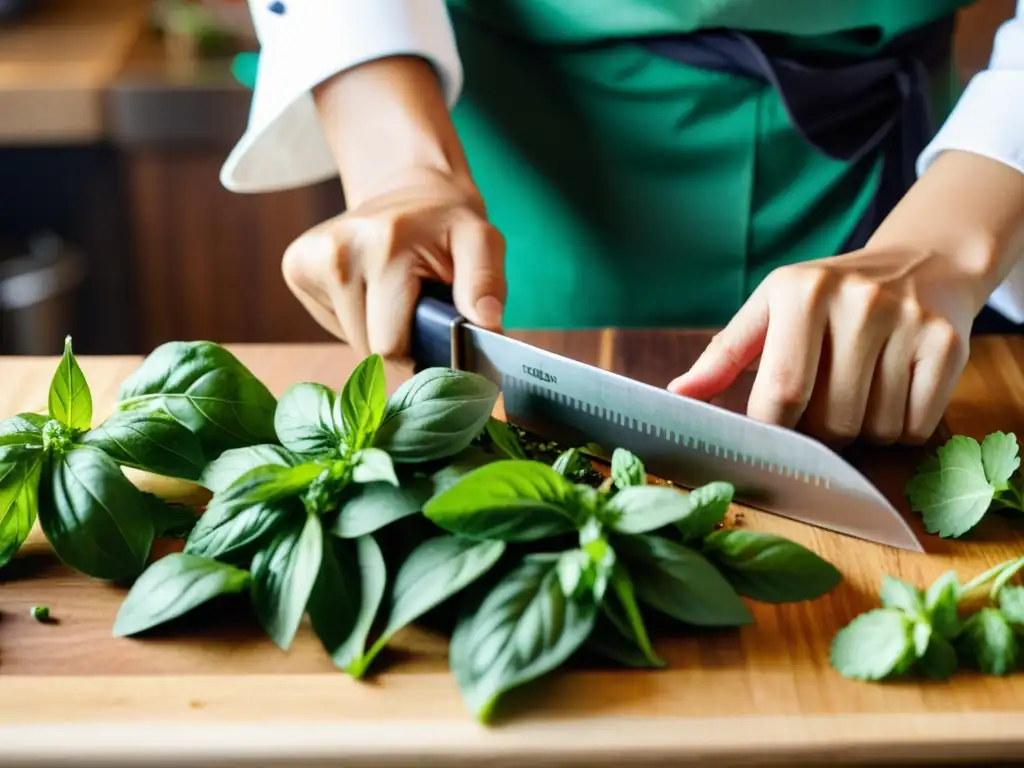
(629,741)
(127,724)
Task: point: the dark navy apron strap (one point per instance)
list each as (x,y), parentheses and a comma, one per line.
(849,110)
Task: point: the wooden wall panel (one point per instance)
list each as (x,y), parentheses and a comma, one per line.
(208,261)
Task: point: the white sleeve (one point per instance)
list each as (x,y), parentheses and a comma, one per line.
(303,43)
(989,120)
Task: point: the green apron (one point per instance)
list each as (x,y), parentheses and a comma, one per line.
(634,190)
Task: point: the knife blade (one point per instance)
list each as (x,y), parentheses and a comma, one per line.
(685,441)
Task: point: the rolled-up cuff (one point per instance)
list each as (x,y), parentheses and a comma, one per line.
(988,120)
(284,146)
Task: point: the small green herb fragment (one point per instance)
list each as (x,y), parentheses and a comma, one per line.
(41,613)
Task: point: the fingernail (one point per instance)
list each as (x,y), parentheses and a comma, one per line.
(489,310)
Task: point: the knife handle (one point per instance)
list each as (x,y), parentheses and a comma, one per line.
(434,328)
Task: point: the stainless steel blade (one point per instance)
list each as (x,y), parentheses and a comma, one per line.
(683,440)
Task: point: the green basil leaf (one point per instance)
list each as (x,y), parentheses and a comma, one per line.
(939,660)
(435,414)
(459,466)
(232,464)
(769,568)
(23,429)
(504,440)
(173,586)
(272,482)
(335,602)
(152,442)
(681,583)
(507,500)
(304,420)
(608,640)
(373,576)
(372,507)
(363,400)
(70,400)
(435,571)
(631,624)
(627,469)
(572,464)
(989,643)
(94,518)
(169,520)
(524,628)
(231,524)
(20,470)
(644,508)
(1011,602)
(710,504)
(283,575)
(207,389)
(373,465)
(903,596)
(940,602)
(874,646)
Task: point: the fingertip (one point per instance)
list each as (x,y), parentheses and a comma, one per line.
(489,312)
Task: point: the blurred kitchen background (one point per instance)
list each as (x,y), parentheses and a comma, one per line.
(115,117)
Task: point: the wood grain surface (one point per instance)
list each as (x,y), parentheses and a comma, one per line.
(765,693)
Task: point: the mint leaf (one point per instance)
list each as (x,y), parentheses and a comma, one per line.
(1011,603)
(939,660)
(572,464)
(70,400)
(955,497)
(152,442)
(922,637)
(999,456)
(874,645)
(20,472)
(899,594)
(940,602)
(988,641)
(627,469)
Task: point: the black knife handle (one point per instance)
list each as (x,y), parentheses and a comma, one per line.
(434,338)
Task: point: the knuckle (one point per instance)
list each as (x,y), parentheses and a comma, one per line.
(788,388)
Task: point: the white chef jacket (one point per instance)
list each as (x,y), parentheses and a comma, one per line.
(304,42)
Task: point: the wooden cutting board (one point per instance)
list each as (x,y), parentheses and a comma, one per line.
(212,685)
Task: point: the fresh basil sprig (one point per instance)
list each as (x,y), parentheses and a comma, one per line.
(637,544)
(301,514)
(65,472)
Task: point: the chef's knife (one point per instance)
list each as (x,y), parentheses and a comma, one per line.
(682,440)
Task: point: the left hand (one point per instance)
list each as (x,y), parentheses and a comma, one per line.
(869,344)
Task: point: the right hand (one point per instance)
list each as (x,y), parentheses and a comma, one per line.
(359,273)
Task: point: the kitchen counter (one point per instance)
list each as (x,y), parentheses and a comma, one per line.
(763,694)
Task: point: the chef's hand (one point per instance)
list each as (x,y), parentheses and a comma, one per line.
(359,274)
(871,343)
(414,212)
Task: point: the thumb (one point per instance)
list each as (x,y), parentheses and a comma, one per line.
(728,355)
(478,286)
